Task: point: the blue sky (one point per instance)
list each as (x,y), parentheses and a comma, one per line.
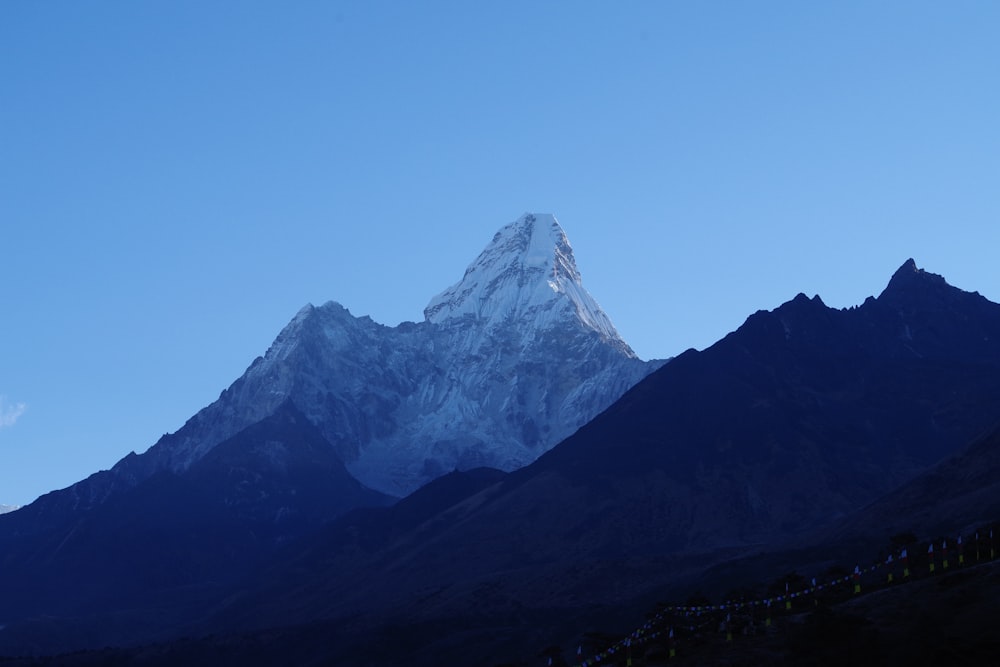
(178,178)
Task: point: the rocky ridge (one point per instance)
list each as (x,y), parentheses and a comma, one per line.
(508,361)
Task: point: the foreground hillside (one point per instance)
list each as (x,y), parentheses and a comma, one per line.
(942,618)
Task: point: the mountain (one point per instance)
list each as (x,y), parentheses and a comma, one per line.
(803,414)
(801,417)
(340,413)
(508,361)
(4,509)
(794,423)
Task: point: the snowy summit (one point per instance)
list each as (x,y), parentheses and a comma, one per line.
(527,274)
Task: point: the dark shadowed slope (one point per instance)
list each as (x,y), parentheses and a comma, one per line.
(156,551)
(802,416)
(952,498)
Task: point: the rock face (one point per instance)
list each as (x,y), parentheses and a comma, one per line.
(509,361)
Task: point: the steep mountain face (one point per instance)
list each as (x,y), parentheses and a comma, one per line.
(526,274)
(508,362)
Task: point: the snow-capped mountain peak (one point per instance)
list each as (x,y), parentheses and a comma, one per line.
(511,360)
(526,273)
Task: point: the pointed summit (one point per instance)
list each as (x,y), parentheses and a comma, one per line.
(909,266)
(908,278)
(527,274)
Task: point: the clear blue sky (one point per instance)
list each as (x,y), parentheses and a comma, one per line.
(178,178)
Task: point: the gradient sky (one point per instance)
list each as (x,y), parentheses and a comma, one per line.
(178,178)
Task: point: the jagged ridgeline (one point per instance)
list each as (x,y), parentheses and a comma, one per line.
(509,361)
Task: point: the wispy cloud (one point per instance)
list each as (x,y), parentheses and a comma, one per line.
(10,412)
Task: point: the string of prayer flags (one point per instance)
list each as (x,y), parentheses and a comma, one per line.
(701,615)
